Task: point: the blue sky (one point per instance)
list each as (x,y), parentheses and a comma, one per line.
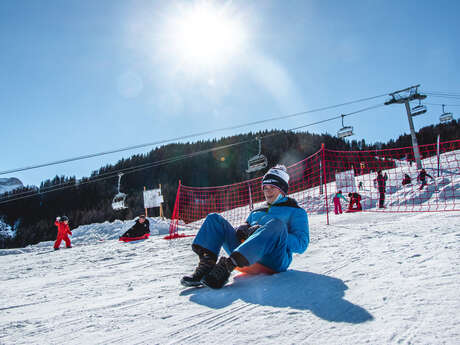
(81,77)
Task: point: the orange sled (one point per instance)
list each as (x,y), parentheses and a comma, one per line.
(255,269)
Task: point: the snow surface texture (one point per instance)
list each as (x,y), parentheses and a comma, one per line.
(373,278)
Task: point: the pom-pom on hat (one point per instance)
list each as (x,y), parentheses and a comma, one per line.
(278,177)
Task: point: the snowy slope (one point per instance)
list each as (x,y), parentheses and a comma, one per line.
(367,278)
(376,278)
(442,193)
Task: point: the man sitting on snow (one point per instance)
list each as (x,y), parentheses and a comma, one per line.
(269,237)
(140,228)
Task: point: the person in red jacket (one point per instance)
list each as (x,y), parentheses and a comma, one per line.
(355,198)
(63,231)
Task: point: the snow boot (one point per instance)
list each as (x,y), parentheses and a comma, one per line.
(219,275)
(56,248)
(206,264)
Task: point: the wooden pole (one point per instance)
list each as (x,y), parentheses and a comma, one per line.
(146,215)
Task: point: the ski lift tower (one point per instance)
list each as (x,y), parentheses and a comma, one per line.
(404,97)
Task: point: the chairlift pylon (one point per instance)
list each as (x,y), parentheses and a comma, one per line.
(445,117)
(418,109)
(345,131)
(258,162)
(118,202)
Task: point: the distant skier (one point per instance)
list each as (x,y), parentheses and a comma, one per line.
(63,231)
(267,240)
(140,228)
(406,180)
(337,205)
(381,184)
(422,178)
(355,198)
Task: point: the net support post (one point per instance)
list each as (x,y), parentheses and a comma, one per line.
(323,160)
(174,219)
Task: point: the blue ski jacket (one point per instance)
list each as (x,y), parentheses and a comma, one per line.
(294,217)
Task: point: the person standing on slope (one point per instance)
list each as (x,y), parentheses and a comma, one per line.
(269,236)
(422,178)
(381,184)
(62,224)
(337,205)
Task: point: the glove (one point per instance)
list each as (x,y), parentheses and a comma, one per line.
(58,218)
(244,231)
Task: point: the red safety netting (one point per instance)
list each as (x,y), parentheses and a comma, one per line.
(315,180)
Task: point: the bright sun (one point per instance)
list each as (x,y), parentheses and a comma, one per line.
(205,34)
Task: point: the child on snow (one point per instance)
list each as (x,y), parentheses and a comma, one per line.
(337,205)
(269,237)
(355,198)
(406,180)
(63,231)
(422,178)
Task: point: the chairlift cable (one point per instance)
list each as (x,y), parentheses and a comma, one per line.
(114,174)
(443,96)
(442,93)
(187,136)
(144,166)
(447,105)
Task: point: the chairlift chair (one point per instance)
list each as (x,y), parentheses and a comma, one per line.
(445,117)
(258,162)
(345,131)
(118,202)
(418,109)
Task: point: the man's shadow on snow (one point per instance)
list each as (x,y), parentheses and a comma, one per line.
(320,294)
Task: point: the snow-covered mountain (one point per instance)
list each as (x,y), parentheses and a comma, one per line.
(9,184)
(375,278)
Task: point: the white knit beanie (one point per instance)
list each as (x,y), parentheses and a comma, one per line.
(278,177)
